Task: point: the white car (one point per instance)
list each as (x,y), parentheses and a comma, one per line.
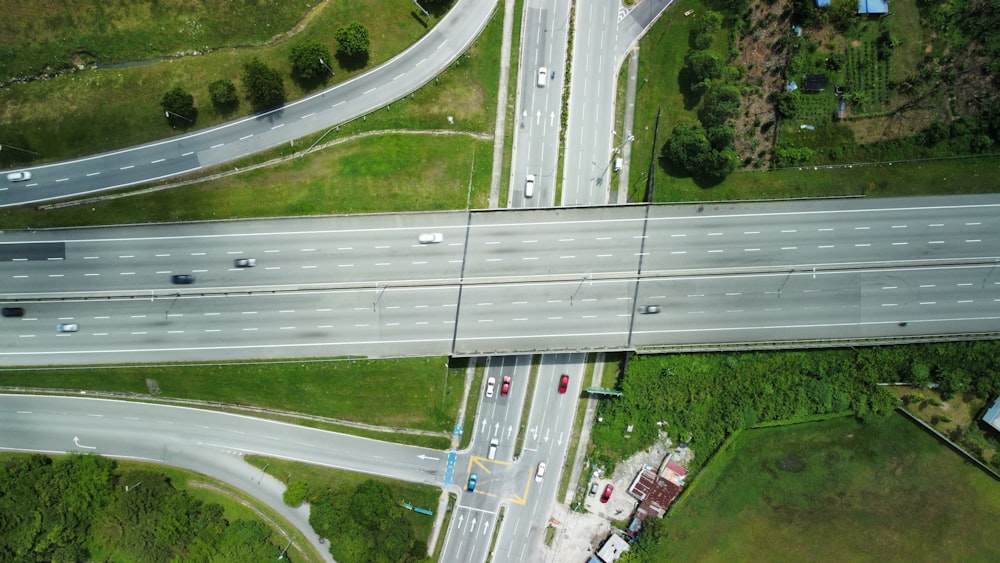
(649,309)
(245,262)
(540,472)
(543,76)
(529,186)
(491,386)
(430,238)
(21,176)
(67,327)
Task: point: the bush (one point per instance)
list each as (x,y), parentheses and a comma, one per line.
(295,494)
(223,95)
(263,84)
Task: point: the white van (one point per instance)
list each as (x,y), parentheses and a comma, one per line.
(529,186)
(543,77)
(492,453)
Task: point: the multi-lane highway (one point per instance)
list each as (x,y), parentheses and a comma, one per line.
(518,281)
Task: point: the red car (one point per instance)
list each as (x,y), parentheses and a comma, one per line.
(607,492)
(505,386)
(563,383)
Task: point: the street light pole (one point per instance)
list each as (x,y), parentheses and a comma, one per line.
(17,149)
(421,8)
(168,113)
(262,472)
(322,62)
(283,551)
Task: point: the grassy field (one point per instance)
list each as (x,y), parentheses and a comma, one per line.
(110,32)
(349,390)
(410,173)
(835,491)
(318,478)
(97,110)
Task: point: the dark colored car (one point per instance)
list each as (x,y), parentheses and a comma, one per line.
(563,383)
(607,492)
(182,279)
(13,311)
(472,482)
(505,386)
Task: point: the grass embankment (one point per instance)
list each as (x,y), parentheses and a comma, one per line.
(409,173)
(98,110)
(33,35)
(835,491)
(354,390)
(323,478)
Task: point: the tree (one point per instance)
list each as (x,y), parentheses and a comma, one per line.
(721,103)
(309,60)
(701,66)
(372,505)
(788,103)
(263,84)
(223,94)
(354,41)
(179,107)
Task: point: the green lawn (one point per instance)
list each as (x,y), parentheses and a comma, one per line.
(352,390)
(34,36)
(933,177)
(835,491)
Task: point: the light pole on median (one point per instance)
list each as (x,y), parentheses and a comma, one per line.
(322,62)
(421,8)
(168,113)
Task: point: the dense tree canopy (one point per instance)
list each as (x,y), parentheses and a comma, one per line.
(367,522)
(705,397)
(52,510)
(263,84)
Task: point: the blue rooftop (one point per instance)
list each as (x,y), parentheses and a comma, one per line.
(873,6)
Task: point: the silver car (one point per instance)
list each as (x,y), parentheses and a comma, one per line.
(20,176)
(67,327)
(430,238)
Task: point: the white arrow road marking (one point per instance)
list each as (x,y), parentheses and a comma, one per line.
(76,440)
(426,457)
